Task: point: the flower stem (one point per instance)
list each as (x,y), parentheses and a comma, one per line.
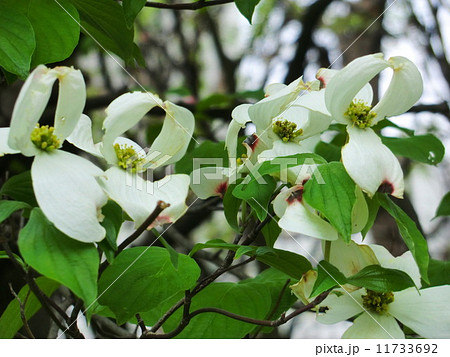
(327,251)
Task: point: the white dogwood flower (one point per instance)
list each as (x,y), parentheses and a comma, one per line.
(377,313)
(348,99)
(64,184)
(283,126)
(122,181)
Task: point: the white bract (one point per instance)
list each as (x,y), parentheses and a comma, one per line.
(348,99)
(283,125)
(282,128)
(64,184)
(122,182)
(423,311)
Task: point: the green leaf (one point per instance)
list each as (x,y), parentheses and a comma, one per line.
(105,21)
(292,264)
(20,188)
(387,123)
(10,321)
(3,255)
(231,205)
(439,272)
(377,278)
(143,277)
(444,206)
(214,243)
(112,221)
(244,298)
(131,8)
(423,148)
(275,166)
(328,151)
(242,250)
(287,262)
(328,276)
(214,153)
(373,206)
(9,207)
(17,42)
(332,193)
(271,232)
(56,28)
(256,194)
(412,237)
(55,255)
(9,77)
(246,8)
(172,252)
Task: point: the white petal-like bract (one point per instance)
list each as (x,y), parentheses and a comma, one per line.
(371,164)
(28,109)
(375,326)
(4,147)
(71,100)
(426,313)
(173,140)
(67,191)
(122,114)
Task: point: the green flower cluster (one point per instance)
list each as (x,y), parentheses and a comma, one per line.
(286,130)
(44,138)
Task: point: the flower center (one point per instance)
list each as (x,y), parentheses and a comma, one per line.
(44,139)
(127,157)
(377,302)
(359,113)
(286,130)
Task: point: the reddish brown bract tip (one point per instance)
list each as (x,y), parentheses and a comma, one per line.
(221,189)
(322,82)
(296,196)
(386,187)
(252,141)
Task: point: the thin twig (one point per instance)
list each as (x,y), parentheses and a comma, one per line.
(270,323)
(276,306)
(160,206)
(141,323)
(107,328)
(45,301)
(76,310)
(22,310)
(187,6)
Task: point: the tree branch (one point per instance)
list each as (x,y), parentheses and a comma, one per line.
(22,310)
(196,5)
(45,301)
(270,323)
(441,108)
(160,206)
(153,216)
(304,42)
(275,307)
(249,235)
